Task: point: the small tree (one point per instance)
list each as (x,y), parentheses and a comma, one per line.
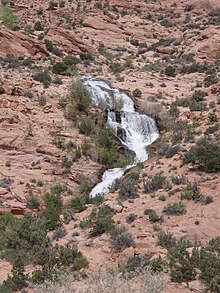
(79,95)
(8,17)
(170,71)
(205,155)
(18,280)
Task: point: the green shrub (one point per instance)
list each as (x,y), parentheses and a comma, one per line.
(4,289)
(53,200)
(121,239)
(59,68)
(42,101)
(86,126)
(153,216)
(44,77)
(100,220)
(38,26)
(86,56)
(138,263)
(53,5)
(175,209)
(158,265)
(77,205)
(32,201)
(51,48)
(210,261)
(59,233)
(182,263)
(212,117)
(70,60)
(51,217)
(128,188)
(2,90)
(157,182)
(215,284)
(210,80)
(137,93)
(192,192)
(108,157)
(18,280)
(115,68)
(66,163)
(80,263)
(199,95)
(85,187)
(8,17)
(130,218)
(205,155)
(197,106)
(62,4)
(79,95)
(170,71)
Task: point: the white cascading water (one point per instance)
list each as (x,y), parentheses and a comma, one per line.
(138,130)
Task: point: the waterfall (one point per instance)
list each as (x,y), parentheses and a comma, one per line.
(135,131)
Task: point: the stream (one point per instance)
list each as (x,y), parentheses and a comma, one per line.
(136,131)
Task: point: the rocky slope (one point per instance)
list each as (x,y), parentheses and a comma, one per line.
(170,51)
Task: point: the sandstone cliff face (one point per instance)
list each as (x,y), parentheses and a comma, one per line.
(19,44)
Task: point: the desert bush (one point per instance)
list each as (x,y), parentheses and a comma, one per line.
(215,284)
(121,239)
(86,56)
(108,282)
(170,71)
(100,220)
(131,218)
(208,199)
(212,117)
(157,182)
(18,279)
(182,263)
(79,95)
(77,204)
(158,265)
(174,111)
(62,3)
(42,101)
(178,180)
(210,261)
(199,95)
(166,240)
(86,126)
(8,17)
(138,262)
(59,68)
(153,216)
(205,155)
(210,80)
(2,90)
(44,77)
(192,192)
(52,5)
(175,209)
(38,26)
(168,150)
(59,233)
(115,68)
(32,201)
(137,93)
(53,49)
(128,188)
(197,106)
